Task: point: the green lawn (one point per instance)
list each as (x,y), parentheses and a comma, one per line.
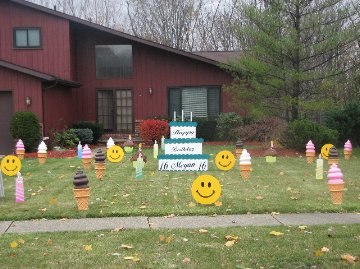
(289,185)
(184,248)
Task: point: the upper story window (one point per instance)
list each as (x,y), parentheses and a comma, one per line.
(114,61)
(27,38)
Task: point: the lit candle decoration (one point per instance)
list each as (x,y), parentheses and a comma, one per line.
(319,168)
(191,116)
(182,115)
(162,143)
(174,115)
(271,144)
(19,189)
(156,149)
(139,167)
(2,194)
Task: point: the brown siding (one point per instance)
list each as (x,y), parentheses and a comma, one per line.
(53,57)
(152,68)
(59,112)
(22,86)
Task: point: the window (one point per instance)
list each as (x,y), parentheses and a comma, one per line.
(27,38)
(115,110)
(201,101)
(113,61)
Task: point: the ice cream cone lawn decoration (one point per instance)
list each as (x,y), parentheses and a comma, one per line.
(81,190)
(310,152)
(110,143)
(333,156)
(20,149)
(100,166)
(86,157)
(238,148)
(42,152)
(245,165)
(347,150)
(336,184)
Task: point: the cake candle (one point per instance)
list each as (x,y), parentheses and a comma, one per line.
(190,115)
(182,115)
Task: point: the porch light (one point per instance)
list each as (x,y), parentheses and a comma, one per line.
(28,100)
(150,91)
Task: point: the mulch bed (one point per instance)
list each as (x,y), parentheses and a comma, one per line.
(256,149)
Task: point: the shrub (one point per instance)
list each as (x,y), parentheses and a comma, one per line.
(227,125)
(154,130)
(24,125)
(66,139)
(206,128)
(96,128)
(346,121)
(263,130)
(84,135)
(299,132)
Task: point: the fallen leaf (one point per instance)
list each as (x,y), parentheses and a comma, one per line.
(169,216)
(259,197)
(161,237)
(319,253)
(325,249)
(302,227)
(185,239)
(230,243)
(53,201)
(191,204)
(21,241)
(231,237)
(126,195)
(13,244)
(143,207)
(281,173)
(169,239)
(294,198)
(136,259)
(275,213)
(118,229)
(152,174)
(349,258)
(116,254)
(218,203)
(49,242)
(186,260)
(126,246)
(72,166)
(275,233)
(28,174)
(43,210)
(203,231)
(87,247)
(132,258)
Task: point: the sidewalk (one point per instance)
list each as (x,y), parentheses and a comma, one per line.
(94,224)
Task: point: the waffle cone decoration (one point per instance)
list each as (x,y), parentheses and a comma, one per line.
(238,148)
(245,165)
(245,170)
(100,164)
(42,157)
(20,153)
(20,149)
(86,163)
(347,150)
(310,152)
(333,156)
(336,184)
(336,192)
(81,190)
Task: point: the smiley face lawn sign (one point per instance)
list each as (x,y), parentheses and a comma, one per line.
(10,165)
(206,189)
(225,160)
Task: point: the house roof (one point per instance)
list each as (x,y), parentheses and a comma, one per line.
(198,57)
(40,75)
(220,56)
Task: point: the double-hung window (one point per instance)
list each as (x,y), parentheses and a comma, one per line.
(201,101)
(28,38)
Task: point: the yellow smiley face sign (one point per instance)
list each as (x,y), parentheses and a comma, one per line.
(10,165)
(115,154)
(325,151)
(225,160)
(206,189)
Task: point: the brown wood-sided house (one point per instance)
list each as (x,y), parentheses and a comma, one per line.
(65,69)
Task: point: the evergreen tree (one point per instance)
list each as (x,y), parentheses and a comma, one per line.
(293,53)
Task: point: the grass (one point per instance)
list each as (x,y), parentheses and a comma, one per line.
(289,185)
(186,248)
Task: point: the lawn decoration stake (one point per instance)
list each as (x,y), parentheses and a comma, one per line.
(19,189)
(20,149)
(2,194)
(319,168)
(100,166)
(245,165)
(128,145)
(347,150)
(86,157)
(81,190)
(310,152)
(333,156)
(336,184)
(139,167)
(42,152)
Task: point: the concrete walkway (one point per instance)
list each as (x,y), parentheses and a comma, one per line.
(94,224)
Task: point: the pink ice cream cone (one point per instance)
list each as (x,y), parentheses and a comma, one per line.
(310,152)
(336,184)
(347,150)
(20,149)
(86,157)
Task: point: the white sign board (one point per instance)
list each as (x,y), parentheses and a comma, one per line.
(183,132)
(183,165)
(183,148)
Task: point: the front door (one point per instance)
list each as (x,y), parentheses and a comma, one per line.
(6,112)
(115,110)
